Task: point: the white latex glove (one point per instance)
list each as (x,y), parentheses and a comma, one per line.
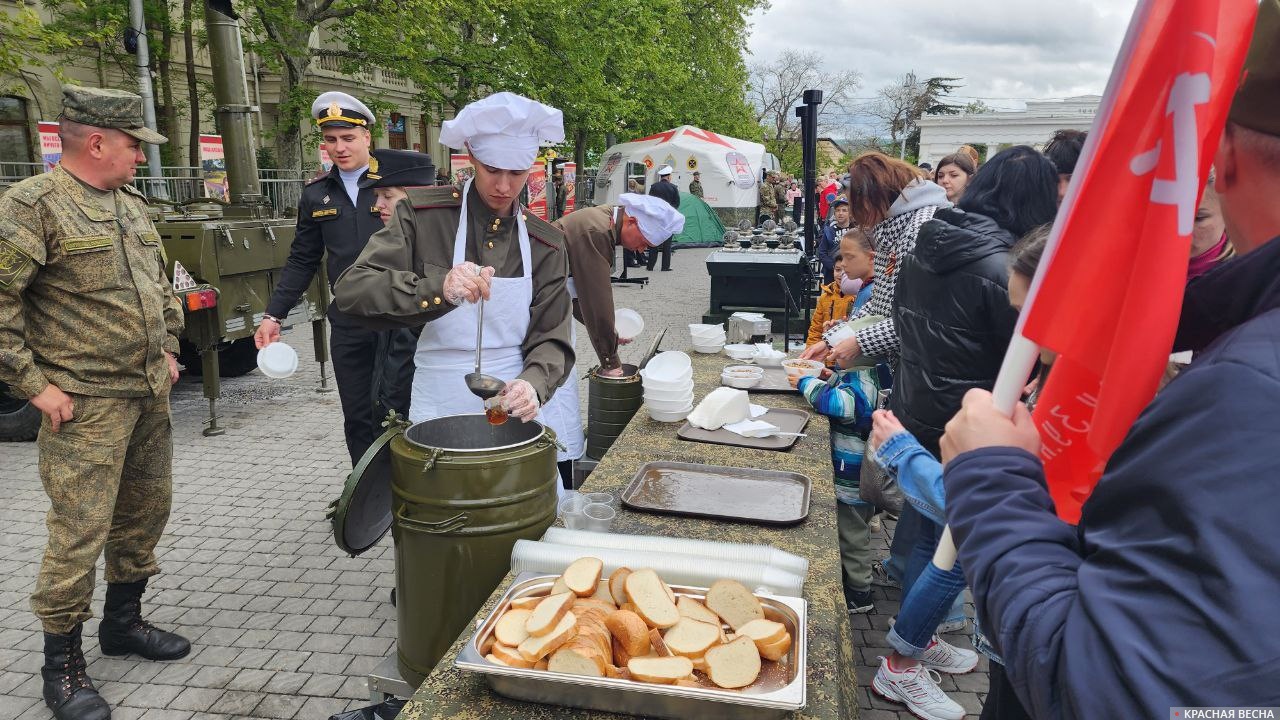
(467,282)
(519,399)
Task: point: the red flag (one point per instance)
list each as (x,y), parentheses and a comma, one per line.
(1109,298)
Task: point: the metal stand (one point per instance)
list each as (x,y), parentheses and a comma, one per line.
(212,430)
(623,279)
(385,681)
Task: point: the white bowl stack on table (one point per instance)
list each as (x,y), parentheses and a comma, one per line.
(707,338)
(668,386)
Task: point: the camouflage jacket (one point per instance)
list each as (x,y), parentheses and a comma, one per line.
(84,300)
(767,197)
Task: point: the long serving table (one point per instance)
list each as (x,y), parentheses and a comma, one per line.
(450,693)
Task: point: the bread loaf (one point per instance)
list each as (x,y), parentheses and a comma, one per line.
(630,631)
(735,665)
(617,586)
(511,630)
(547,614)
(583,576)
(577,659)
(663,671)
(649,594)
(733,603)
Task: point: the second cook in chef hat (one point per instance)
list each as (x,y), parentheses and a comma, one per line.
(657,219)
(504,130)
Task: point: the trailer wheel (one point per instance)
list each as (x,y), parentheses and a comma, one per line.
(19,419)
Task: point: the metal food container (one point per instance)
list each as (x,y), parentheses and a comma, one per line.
(779,691)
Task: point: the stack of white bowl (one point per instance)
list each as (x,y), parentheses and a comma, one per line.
(707,338)
(668,386)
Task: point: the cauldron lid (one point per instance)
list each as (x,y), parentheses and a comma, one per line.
(362,515)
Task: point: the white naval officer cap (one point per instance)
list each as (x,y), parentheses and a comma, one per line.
(340,110)
(657,219)
(664,170)
(504,130)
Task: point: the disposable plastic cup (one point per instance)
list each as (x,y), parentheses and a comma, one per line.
(599,517)
(601,498)
(571,512)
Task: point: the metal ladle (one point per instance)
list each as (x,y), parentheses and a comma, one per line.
(481,385)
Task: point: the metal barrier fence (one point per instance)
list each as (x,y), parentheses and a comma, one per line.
(282,187)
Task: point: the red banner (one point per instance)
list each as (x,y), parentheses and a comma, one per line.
(538,190)
(1109,298)
(570,186)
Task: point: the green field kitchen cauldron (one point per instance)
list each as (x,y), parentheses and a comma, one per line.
(456,492)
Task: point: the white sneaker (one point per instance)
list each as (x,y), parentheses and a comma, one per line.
(945,657)
(917,688)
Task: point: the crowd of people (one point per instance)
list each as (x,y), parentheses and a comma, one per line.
(1076,621)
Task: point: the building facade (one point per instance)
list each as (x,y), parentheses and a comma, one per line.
(941,135)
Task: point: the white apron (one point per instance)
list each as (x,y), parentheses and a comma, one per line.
(446,350)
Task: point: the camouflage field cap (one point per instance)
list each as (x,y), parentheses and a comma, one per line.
(1257,100)
(106,108)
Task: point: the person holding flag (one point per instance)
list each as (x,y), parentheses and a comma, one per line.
(1164,595)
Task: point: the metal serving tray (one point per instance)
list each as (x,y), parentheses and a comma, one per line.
(779,690)
(770,497)
(785,419)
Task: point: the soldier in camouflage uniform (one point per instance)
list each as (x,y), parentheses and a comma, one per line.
(88,330)
(768,201)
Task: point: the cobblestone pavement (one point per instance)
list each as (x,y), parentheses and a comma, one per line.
(284,625)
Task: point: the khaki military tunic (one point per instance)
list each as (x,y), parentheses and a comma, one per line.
(591,234)
(84,300)
(768,200)
(85,305)
(398,279)
(695,188)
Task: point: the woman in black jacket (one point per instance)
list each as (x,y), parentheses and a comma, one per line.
(951,305)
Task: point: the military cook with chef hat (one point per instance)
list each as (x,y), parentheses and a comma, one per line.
(655,216)
(504,130)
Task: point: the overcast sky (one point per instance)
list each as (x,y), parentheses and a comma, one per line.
(1002,48)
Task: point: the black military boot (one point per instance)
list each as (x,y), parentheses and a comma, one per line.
(68,691)
(124,631)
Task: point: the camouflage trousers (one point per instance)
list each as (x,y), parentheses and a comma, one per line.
(108,474)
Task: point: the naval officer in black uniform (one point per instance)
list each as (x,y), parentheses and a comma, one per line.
(373,368)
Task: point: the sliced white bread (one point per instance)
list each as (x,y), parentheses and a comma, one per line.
(735,665)
(527,603)
(536,647)
(775,650)
(628,605)
(617,585)
(700,664)
(620,654)
(691,638)
(733,602)
(490,657)
(648,593)
(541,664)
(603,594)
(671,595)
(587,602)
(583,576)
(688,682)
(510,629)
(629,630)
(559,586)
(577,659)
(663,671)
(614,671)
(691,608)
(764,632)
(657,645)
(510,656)
(546,616)
(486,645)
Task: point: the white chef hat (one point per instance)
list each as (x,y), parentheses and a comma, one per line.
(504,130)
(657,219)
(664,170)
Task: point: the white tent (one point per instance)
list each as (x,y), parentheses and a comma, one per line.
(730,168)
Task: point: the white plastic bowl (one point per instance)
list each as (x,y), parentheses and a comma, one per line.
(708,349)
(668,366)
(753,370)
(773,358)
(661,416)
(684,403)
(628,323)
(684,392)
(810,368)
(700,329)
(278,361)
(741,382)
(740,352)
(676,382)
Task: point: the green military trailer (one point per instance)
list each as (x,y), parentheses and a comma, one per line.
(231,254)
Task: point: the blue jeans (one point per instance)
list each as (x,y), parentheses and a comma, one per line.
(925,607)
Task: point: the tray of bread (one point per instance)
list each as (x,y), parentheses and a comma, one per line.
(628,642)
